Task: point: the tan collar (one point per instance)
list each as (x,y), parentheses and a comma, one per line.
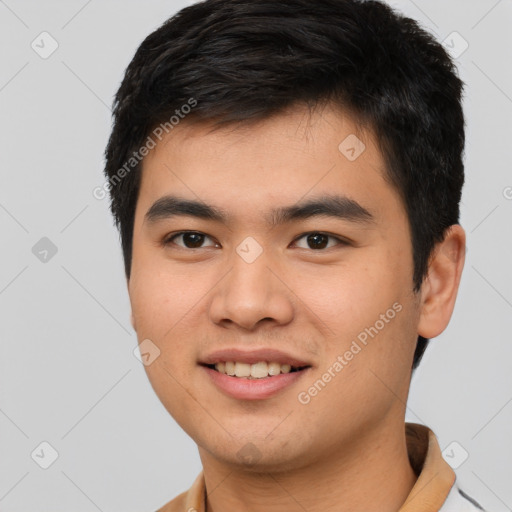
(435,477)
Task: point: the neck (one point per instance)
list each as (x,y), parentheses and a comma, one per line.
(371,473)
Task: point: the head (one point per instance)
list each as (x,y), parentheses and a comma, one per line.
(254,107)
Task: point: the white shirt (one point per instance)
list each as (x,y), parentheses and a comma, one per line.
(459,501)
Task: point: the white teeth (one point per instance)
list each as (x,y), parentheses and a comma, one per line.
(230,368)
(242,369)
(258,370)
(274,369)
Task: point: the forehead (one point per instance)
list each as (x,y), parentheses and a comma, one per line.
(278,161)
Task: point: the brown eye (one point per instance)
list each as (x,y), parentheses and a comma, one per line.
(190,239)
(318,241)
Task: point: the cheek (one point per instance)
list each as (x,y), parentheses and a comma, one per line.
(367,314)
(161,305)
(349,298)
(160,299)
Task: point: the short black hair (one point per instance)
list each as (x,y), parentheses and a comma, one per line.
(238,61)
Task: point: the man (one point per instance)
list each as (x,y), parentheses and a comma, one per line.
(286,179)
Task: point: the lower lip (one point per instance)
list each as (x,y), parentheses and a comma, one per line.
(253,389)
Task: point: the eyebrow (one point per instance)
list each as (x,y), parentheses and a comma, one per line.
(337,206)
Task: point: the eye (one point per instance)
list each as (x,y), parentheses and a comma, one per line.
(316,240)
(190,239)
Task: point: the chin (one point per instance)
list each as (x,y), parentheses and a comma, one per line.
(258,456)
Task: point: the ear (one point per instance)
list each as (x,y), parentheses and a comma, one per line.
(440,286)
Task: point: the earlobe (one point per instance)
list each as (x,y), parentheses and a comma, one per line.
(440,287)
(132,321)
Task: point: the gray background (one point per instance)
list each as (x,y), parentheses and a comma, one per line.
(68,375)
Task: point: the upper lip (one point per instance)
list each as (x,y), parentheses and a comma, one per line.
(253,356)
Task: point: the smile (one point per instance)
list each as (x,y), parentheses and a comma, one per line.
(260,370)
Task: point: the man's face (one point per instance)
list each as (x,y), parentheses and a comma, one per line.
(332,292)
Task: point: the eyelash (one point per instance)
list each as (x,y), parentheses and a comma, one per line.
(169,239)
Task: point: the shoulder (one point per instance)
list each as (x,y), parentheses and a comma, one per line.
(188,501)
(175,505)
(458,501)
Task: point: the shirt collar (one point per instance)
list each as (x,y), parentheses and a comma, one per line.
(435,476)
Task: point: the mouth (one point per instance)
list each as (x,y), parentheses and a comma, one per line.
(254,371)
(258,374)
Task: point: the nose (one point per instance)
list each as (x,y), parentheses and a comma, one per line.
(251,294)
